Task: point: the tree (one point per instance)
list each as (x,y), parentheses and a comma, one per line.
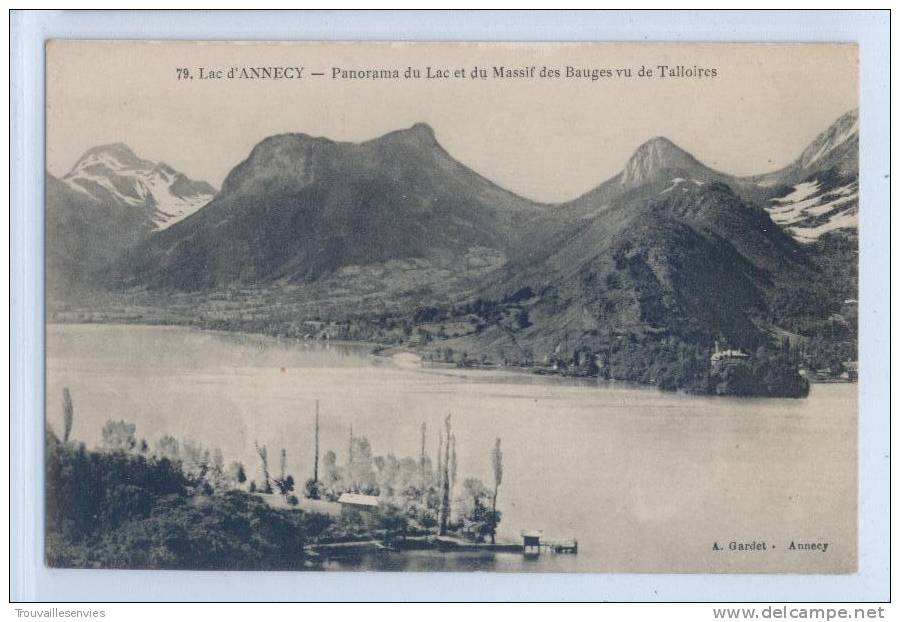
(453,470)
(216,475)
(263,453)
(68,415)
(387,474)
(331,474)
(497,463)
(445,481)
(118,436)
(312,489)
(440,458)
(316,464)
(195,462)
(350,447)
(360,472)
(393,521)
(422,456)
(284,482)
(167,447)
(236,474)
(476,518)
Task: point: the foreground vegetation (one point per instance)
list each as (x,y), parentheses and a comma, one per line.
(176,505)
(118,509)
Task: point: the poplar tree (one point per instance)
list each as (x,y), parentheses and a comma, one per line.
(264,458)
(422,456)
(453,471)
(445,481)
(316,466)
(497,463)
(68,415)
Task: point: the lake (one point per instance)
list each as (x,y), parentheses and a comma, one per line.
(647,481)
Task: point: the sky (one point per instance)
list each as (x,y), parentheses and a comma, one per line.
(547,139)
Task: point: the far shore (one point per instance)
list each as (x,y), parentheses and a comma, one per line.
(388,351)
(222,331)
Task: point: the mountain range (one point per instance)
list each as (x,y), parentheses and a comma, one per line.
(666,249)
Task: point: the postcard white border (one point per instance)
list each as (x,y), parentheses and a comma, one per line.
(32,581)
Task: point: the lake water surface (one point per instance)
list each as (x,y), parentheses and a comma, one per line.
(646,481)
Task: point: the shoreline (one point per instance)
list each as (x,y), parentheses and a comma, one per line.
(388,352)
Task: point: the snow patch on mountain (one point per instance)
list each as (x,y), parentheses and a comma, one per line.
(681,182)
(812,209)
(170,207)
(844,220)
(800,192)
(113,174)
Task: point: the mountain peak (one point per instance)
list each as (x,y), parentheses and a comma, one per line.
(850,115)
(421,129)
(654,158)
(114,148)
(658,142)
(117,155)
(418,134)
(841,136)
(289,140)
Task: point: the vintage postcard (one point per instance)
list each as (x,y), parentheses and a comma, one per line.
(527,307)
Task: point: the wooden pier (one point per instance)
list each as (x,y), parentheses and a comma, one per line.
(533,545)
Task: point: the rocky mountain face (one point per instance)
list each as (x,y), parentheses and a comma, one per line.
(301,208)
(819,192)
(109,202)
(835,148)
